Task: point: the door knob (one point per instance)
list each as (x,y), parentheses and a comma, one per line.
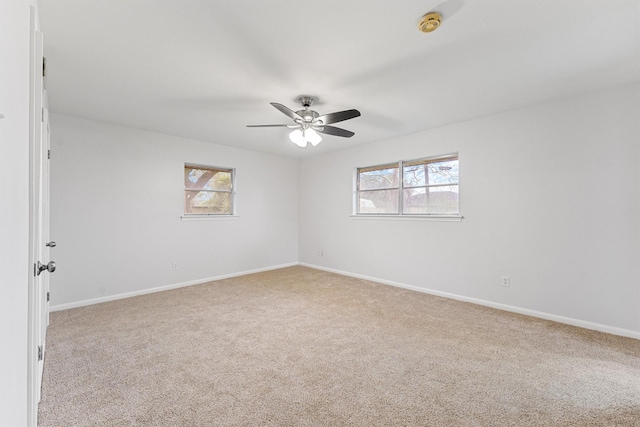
(50,267)
(51,244)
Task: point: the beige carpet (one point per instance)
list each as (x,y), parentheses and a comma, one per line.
(302,347)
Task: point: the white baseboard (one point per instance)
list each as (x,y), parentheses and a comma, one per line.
(560,319)
(163,288)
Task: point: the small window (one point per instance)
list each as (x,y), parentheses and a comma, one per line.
(208,190)
(419,187)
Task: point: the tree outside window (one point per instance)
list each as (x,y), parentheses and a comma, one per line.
(428,186)
(208,190)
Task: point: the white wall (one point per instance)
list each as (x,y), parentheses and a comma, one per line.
(550,196)
(116,201)
(14,210)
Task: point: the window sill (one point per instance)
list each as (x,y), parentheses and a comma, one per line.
(208,217)
(440,218)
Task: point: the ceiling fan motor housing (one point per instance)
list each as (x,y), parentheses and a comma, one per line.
(308,115)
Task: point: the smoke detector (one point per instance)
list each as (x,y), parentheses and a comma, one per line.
(430,22)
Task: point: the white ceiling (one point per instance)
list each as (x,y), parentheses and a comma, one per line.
(203,69)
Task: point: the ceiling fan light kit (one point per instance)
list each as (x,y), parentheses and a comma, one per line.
(307,123)
(430,22)
(302,137)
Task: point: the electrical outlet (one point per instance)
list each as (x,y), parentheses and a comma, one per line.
(176,266)
(506,281)
(320,252)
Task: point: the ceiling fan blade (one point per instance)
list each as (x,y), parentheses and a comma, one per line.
(332,130)
(287,111)
(267,126)
(338,116)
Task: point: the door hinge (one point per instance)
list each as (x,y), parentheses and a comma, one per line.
(39,353)
(47,296)
(48,154)
(44,73)
(42,116)
(35,270)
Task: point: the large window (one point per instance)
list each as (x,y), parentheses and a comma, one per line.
(208,190)
(419,187)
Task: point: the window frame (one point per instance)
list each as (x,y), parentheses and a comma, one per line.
(400,164)
(232,192)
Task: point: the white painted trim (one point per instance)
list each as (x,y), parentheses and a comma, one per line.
(207,217)
(163,288)
(527,312)
(406,217)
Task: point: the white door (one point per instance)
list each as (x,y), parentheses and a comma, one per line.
(39,222)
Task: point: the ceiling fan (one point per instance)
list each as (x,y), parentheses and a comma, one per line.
(307,123)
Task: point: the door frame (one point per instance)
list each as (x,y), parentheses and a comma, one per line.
(38,233)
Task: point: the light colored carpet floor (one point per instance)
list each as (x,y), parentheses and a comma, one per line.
(303,347)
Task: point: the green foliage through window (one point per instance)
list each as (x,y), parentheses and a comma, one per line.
(208,190)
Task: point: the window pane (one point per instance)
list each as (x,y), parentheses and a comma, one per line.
(427,172)
(431,200)
(207,179)
(378,177)
(384,201)
(208,202)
